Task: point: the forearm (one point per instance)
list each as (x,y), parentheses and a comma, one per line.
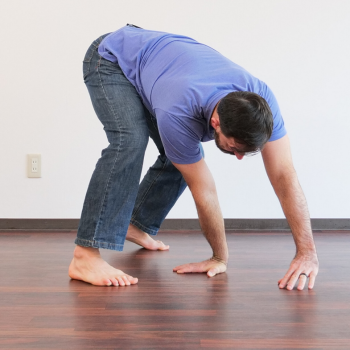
(212,222)
(295,208)
(203,189)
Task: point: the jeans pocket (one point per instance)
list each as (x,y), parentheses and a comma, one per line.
(90,54)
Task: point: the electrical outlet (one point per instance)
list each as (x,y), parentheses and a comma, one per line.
(34,165)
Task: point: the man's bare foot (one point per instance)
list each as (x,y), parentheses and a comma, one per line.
(143,239)
(88,266)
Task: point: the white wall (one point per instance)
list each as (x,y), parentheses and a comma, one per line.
(299,48)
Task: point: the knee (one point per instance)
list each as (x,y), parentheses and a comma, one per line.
(131,139)
(137,139)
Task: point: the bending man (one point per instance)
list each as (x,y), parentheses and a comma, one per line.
(180,93)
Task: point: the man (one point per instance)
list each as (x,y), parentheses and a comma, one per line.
(178,92)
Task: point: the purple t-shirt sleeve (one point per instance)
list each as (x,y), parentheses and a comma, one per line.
(181,141)
(278,124)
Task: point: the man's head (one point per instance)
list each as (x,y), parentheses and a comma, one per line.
(243,123)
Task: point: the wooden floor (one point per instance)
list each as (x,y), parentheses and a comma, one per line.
(41,308)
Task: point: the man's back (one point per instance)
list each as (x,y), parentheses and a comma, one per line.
(180,82)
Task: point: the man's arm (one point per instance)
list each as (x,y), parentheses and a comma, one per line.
(202,186)
(279,167)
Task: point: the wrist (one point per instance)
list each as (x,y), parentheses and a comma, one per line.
(310,255)
(306,251)
(220,260)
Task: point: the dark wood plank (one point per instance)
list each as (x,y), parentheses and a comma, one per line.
(41,308)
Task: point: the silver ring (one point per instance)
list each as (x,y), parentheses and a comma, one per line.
(304,275)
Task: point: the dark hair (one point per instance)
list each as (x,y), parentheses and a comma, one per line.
(246,117)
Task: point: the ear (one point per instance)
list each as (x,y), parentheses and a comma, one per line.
(215,121)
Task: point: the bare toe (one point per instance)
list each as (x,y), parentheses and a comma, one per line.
(105,282)
(127,282)
(162,246)
(121,281)
(115,283)
(132,280)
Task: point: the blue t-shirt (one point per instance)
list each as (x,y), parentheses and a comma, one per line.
(180,82)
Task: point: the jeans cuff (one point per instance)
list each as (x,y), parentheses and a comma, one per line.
(98,244)
(143,228)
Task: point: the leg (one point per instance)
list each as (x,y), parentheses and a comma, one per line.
(114,184)
(158,192)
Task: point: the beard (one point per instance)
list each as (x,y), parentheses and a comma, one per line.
(218,144)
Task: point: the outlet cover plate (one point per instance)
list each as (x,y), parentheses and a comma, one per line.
(34,165)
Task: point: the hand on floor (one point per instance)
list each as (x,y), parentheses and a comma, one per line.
(212,267)
(302,267)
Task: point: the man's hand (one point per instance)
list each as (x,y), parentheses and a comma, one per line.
(301,264)
(212,267)
(279,167)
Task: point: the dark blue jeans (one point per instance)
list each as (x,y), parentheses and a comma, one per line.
(115,197)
